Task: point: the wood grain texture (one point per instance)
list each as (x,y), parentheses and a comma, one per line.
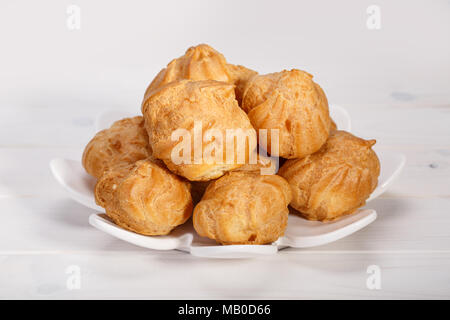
(176,275)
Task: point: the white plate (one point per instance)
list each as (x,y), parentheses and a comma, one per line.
(391,164)
(107,118)
(72,176)
(300,233)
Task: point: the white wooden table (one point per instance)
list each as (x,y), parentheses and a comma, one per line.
(54,82)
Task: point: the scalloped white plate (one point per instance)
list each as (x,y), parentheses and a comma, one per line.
(300,233)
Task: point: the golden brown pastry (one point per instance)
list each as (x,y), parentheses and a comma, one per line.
(334,181)
(202,62)
(264,165)
(333,126)
(293,103)
(125,142)
(243,208)
(144,197)
(240,76)
(197,108)
(108,182)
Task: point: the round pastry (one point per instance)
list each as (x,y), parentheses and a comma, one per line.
(144,197)
(202,62)
(188,123)
(293,103)
(125,142)
(236,209)
(334,181)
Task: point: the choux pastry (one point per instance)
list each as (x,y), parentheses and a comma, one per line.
(125,142)
(334,181)
(144,197)
(293,103)
(243,208)
(202,62)
(195,110)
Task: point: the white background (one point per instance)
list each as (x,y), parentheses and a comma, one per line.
(54,82)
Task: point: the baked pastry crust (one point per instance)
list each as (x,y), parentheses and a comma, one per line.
(334,181)
(202,62)
(144,197)
(236,209)
(264,165)
(333,126)
(182,104)
(293,103)
(240,76)
(125,142)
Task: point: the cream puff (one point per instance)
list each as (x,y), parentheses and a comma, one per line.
(144,197)
(203,62)
(292,108)
(334,181)
(198,129)
(243,208)
(125,142)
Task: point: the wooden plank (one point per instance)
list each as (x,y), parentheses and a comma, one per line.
(402,126)
(175,275)
(403,225)
(26,171)
(51,224)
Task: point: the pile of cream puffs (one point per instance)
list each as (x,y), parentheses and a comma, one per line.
(324,174)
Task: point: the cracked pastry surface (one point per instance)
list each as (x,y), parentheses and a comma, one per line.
(125,142)
(334,181)
(293,103)
(236,209)
(183,105)
(202,62)
(144,197)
